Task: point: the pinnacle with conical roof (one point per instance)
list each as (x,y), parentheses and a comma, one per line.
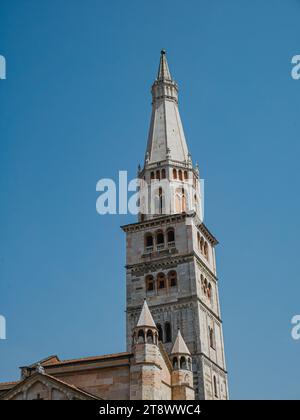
(179,346)
(146,319)
(166,140)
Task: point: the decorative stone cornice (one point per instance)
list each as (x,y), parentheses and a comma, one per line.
(159,264)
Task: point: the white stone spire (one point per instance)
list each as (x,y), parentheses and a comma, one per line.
(163,70)
(146,319)
(179,346)
(166,139)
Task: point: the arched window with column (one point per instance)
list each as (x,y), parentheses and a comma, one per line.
(168,332)
(141,336)
(180,200)
(205,250)
(172,276)
(149,241)
(183,362)
(150,286)
(202,244)
(150,337)
(159,201)
(160,240)
(161,281)
(198,240)
(171,235)
(175,363)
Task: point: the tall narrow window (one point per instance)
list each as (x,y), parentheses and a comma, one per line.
(215,387)
(205,250)
(174,174)
(209,291)
(211,338)
(168,332)
(180,174)
(201,244)
(163,174)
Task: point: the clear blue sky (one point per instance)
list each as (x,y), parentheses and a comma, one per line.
(76,107)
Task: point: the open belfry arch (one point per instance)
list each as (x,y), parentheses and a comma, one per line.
(170,252)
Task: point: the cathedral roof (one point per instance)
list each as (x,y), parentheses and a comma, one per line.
(166,140)
(146,319)
(36,377)
(179,346)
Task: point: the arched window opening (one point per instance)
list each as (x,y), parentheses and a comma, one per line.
(149,337)
(215,387)
(186,175)
(161,280)
(180,201)
(175,363)
(158,175)
(149,240)
(141,336)
(160,332)
(160,240)
(163,174)
(149,283)
(205,249)
(201,244)
(172,278)
(182,363)
(198,241)
(152,176)
(174,174)
(168,332)
(159,202)
(180,175)
(171,236)
(183,200)
(209,291)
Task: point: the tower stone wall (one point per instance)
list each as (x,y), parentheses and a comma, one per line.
(175,272)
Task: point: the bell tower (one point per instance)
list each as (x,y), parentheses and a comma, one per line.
(170,253)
